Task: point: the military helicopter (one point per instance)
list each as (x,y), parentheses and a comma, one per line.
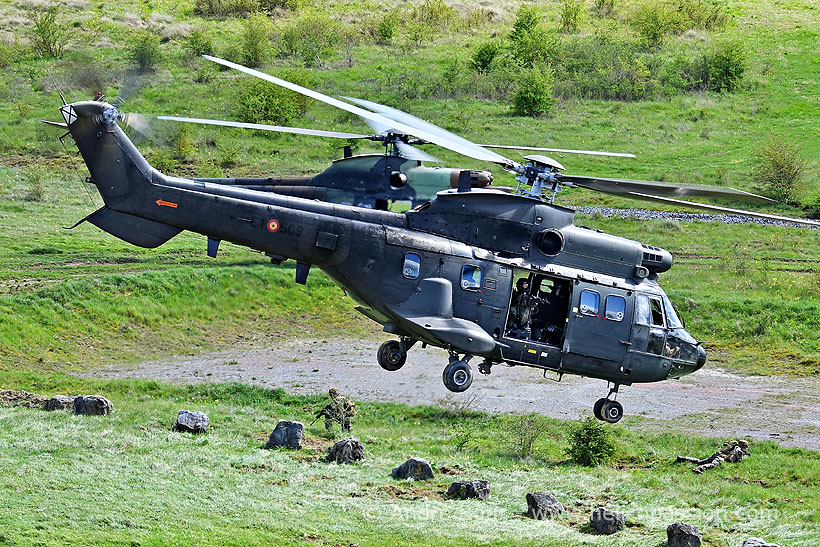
(371,180)
(506,277)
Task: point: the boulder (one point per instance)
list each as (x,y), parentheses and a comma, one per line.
(60,402)
(682,534)
(92,405)
(346,451)
(287,434)
(462,490)
(606,522)
(542,505)
(757,542)
(18,397)
(415,468)
(191,422)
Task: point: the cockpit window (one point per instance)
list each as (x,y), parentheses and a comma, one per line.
(470,278)
(648,311)
(590,302)
(412,264)
(672,319)
(615,307)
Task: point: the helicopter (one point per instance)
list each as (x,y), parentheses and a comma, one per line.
(506,277)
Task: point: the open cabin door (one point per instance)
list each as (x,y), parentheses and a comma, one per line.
(599,322)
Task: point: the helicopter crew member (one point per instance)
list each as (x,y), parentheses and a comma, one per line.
(523,305)
(732,452)
(340,410)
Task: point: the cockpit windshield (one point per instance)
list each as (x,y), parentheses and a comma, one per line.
(672,320)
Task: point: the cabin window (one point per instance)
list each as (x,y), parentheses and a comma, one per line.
(590,302)
(648,311)
(412,264)
(671,317)
(470,278)
(615,307)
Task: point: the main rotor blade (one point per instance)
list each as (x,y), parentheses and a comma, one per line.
(473,151)
(265,127)
(412,153)
(401,117)
(715,208)
(561,150)
(620,187)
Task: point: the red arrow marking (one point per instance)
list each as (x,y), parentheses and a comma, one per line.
(163,203)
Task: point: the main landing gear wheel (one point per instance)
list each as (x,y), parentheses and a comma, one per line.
(390,356)
(612,411)
(599,405)
(457,376)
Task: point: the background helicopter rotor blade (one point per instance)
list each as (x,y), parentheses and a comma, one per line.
(620,187)
(412,153)
(415,122)
(561,150)
(265,127)
(718,209)
(462,146)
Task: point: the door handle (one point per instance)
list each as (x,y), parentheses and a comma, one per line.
(624,342)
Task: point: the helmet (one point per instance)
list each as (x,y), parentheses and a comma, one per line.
(333,392)
(742,443)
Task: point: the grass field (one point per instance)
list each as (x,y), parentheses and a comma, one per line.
(127,479)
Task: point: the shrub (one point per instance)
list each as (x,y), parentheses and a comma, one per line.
(780,168)
(533,46)
(654,21)
(385,30)
(278,4)
(180,141)
(725,66)
(36,189)
(198,43)
(526,19)
(572,11)
(49,37)
(226,8)
(204,74)
(604,8)
(524,430)
(534,94)
(484,55)
(259,101)
(700,14)
(591,443)
(310,37)
(144,51)
(434,13)
(255,42)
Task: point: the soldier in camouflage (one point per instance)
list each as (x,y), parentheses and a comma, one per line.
(340,410)
(732,452)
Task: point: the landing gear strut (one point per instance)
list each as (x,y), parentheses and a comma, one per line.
(609,410)
(393,354)
(458,375)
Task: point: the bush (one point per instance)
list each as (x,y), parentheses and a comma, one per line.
(526,19)
(533,46)
(604,8)
(435,14)
(144,51)
(572,11)
(226,8)
(725,66)
(780,169)
(255,42)
(259,101)
(180,141)
(524,430)
(198,43)
(534,94)
(49,38)
(591,443)
(385,30)
(654,21)
(270,5)
(36,189)
(484,55)
(310,37)
(700,14)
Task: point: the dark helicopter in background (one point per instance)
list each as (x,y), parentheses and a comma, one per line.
(504,277)
(372,180)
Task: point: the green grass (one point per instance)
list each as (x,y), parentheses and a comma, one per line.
(127,479)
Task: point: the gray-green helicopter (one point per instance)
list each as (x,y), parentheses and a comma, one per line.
(505,277)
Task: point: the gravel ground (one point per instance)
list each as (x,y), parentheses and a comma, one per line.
(646,214)
(711,402)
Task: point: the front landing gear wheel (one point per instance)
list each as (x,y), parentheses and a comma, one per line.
(390,356)
(612,411)
(599,406)
(457,376)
